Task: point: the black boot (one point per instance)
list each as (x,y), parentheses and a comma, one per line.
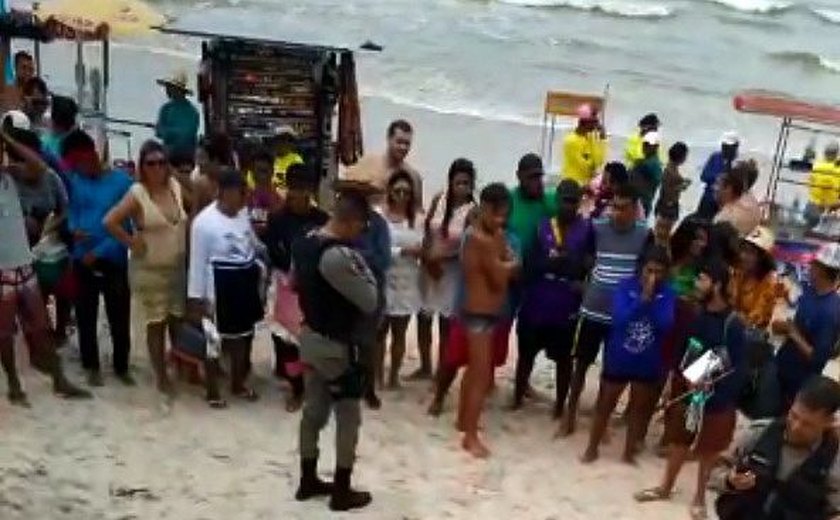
(343,497)
(310,485)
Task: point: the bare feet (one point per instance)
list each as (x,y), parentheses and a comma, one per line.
(567,427)
(293,404)
(419,375)
(19,398)
(473,445)
(589,456)
(436,408)
(629,459)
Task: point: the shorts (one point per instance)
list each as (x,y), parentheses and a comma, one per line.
(716,431)
(477,323)
(558,340)
(591,335)
(623,379)
(238,304)
(457,345)
(21,301)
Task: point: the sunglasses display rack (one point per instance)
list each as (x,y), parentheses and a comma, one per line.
(258,88)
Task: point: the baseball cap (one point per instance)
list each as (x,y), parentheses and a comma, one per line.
(649,120)
(16,119)
(730,138)
(529,161)
(829,256)
(652,138)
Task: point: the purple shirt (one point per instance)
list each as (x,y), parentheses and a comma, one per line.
(554,272)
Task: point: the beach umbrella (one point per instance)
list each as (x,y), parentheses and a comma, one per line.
(123,17)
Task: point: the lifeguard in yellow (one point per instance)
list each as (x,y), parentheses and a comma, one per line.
(287,155)
(584,148)
(633,152)
(824,184)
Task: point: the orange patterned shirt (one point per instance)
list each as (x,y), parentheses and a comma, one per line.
(753,299)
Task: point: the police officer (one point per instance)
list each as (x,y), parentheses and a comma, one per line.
(336,291)
(786,469)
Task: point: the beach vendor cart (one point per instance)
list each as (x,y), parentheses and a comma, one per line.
(797,241)
(253,88)
(84,23)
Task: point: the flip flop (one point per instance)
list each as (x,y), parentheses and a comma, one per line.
(651,495)
(217,404)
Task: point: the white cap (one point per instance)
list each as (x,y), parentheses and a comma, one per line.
(652,138)
(829,256)
(17,119)
(730,138)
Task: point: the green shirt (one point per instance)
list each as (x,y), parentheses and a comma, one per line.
(526,215)
(682,280)
(177,125)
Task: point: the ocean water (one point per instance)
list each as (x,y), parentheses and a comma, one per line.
(495,59)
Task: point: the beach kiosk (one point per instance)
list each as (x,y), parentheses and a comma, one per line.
(796,242)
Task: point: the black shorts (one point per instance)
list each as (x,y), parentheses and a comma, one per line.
(591,335)
(238,304)
(558,340)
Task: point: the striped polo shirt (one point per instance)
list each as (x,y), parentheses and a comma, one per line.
(616,253)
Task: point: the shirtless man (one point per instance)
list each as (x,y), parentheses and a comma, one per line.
(488,265)
(378,168)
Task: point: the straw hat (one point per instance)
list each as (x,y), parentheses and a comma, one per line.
(177,81)
(762,238)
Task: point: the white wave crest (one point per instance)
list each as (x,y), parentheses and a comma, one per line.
(756,6)
(829,15)
(612,7)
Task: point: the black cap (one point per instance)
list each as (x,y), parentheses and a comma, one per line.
(649,120)
(231,179)
(529,161)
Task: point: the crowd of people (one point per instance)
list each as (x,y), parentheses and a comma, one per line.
(200,238)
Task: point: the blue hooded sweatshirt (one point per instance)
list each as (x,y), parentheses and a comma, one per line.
(634,349)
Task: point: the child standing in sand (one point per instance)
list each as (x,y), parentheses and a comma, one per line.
(488,265)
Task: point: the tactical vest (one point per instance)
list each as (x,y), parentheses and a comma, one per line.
(325,310)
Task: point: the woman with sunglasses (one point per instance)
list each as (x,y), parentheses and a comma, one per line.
(158,250)
(402,289)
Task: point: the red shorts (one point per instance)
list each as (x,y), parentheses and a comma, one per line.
(21,302)
(457,348)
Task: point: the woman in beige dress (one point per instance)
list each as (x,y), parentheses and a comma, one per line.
(158,246)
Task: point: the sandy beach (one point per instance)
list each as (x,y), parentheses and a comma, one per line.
(125,456)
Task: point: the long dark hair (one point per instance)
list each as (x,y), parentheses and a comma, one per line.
(459,165)
(684,236)
(411,208)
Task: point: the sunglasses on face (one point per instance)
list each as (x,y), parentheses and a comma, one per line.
(155,163)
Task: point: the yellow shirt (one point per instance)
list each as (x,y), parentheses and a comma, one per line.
(281,164)
(825,183)
(633,152)
(583,156)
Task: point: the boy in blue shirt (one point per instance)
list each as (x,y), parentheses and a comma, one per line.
(100,261)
